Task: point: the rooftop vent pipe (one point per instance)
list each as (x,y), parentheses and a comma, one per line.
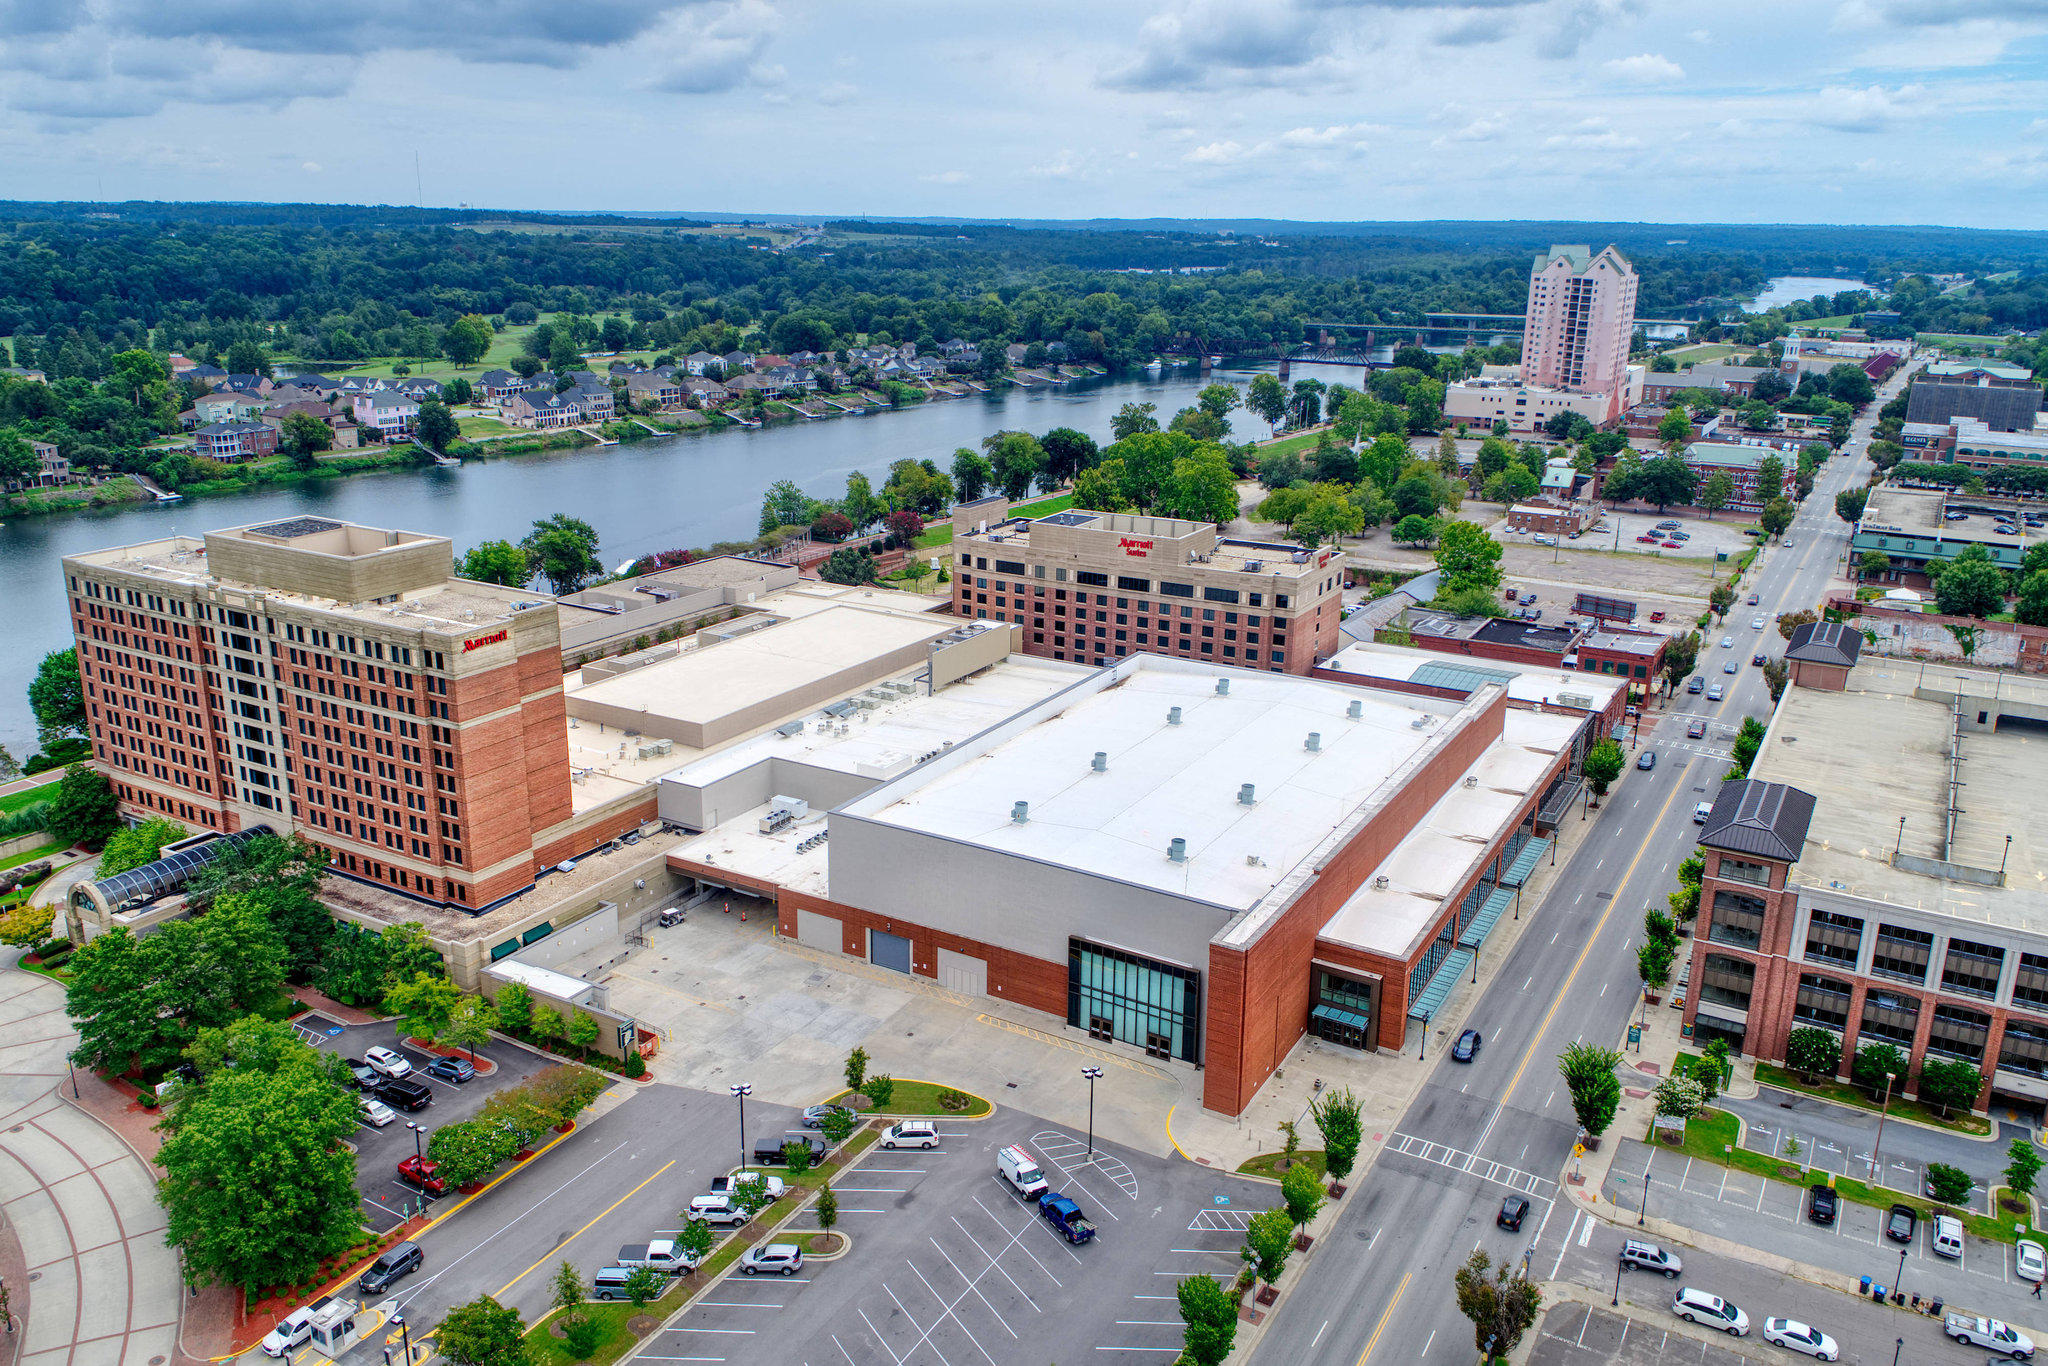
(1380,883)
(1223,687)
(1471,781)
(1315,742)
(1355,710)
(1177,849)
(1101,761)
(1244,794)
(1020,812)
(1173,716)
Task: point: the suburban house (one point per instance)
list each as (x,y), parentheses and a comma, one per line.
(226,406)
(200,373)
(697,362)
(421,388)
(52,469)
(736,361)
(495,386)
(235,440)
(704,393)
(388,413)
(664,391)
(541,408)
(245,384)
(346,437)
(593,401)
(805,358)
(1013,354)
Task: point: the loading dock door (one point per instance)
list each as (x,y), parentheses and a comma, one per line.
(815,931)
(890,951)
(964,974)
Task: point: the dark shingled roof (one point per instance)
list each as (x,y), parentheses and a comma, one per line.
(2002,408)
(1825,642)
(1762,820)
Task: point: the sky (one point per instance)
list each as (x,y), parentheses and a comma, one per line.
(1863,111)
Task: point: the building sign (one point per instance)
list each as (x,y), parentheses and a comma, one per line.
(478,642)
(1134,547)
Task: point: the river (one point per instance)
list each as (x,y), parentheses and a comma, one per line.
(658,494)
(1787,289)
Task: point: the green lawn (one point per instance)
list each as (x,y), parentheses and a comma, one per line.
(1958,339)
(1044,507)
(921,1099)
(473,427)
(1268,1164)
(31,855)
(28,796)
(1704,353)
(1297,444)
(1843,1093)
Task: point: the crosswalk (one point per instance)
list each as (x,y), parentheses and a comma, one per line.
(1472,1164)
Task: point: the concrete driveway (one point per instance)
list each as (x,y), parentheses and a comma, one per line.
(103,1286)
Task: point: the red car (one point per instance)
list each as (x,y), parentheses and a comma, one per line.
(1673,545)
(414,1172)
(1646,540)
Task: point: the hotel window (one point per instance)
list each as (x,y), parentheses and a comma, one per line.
(1091,578)
(1902,953)
(1822,1001)
(1959,1032)
(1737,920)
(1890,1018)
(1972,969)
(2024,1048)
(1834,938)
(1726,981)
(2030,981)
(1133,585)
(1742,870)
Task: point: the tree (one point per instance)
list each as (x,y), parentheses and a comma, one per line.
(1664,481)
(1850,383)
(838,1126)
(566,1288)
(643,1283)
(1202,489)
(1776,517)
(860,505)
(303,438)
(784,504)
(1415,530)
(1602,765)
(248,358)
(796,1155)
(563,550)
(1325,514)
(1873,564)
(242,955)
(423,1005)
(1813,1052)
(1878,1066)
(2031,608)
(1715,491)
(856,1069)
(1217,400)
(1949,1084)
(1679,1098)
(483,1333)
(880,1089)
(697,1239)
(1417,495)
(1776,674)
(547,1024)
(436,425)
(291,1123)
(1268,1237)
(1680,656)
(1588,1071)
(1268,398)
(57,698)
(1133,418)
(1303,1192)
(84,810)
(972,475)
(468,1151)
(1969,585)
(1792,621)
(1675,430)
(136,845)
(1467,557)
(469,1025)
(513,1006)
(1016,459)
(466,339)
(499,562)
(581,1032)
(832,526)
(1210,1315)
(1337,1118)
(848,565)
(1770,476)
(1502,1306)
(1101,489)
(1720,599)
(2022,1167)
(826,1208)
(1948,1185)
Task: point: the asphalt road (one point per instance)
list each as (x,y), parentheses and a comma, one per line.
(1478,1132)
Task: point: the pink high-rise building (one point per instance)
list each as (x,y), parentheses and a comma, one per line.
(1582,312)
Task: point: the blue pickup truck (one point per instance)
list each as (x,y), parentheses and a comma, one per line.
(1065,1217)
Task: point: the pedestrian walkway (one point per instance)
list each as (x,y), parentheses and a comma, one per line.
(103,1287)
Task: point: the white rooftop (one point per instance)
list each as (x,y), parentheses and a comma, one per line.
(1165,781)
(1526,683)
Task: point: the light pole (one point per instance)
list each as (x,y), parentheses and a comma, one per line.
(417,1131)
(1093,1074)
(1616,1301)
(1422,1055)
(1643,1210)
(405,1332)
(1899,1347)
(1900,1279)
(1889,1077)
(740,1092)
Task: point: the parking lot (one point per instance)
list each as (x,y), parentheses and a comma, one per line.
(1771,1215)
(387,1201)
(1853,1160)
(1580,1335)
(948,1265)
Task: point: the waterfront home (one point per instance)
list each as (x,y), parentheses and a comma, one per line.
(389,413)
(495,386)
(697,362)
(736,362)
(593,401)
(235,440)
(345,433)
(421,388)
(245,384)
(542,409)
(805,358)
(703,393)
(1013,354)
(226,405)
(664,391)
(52,469)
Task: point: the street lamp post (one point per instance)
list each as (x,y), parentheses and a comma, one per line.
(1900,1279)
(1422,1055)
(1643,1210)
(1889,1077)
(404,1332)
(417,1131)
(1615,1302)
(1093,1074)
(740,1092)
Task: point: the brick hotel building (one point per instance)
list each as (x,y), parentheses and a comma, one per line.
(1094,587)
(340,682)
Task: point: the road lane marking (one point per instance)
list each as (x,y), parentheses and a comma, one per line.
(500,1296)
(1381,1327)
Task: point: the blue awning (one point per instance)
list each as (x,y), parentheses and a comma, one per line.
(1340,1016)
(1482,924)
(1455,965)
(1525,863)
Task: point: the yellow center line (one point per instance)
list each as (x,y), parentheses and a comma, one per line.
(1381,1327)
(579,1232)
(1544,1028)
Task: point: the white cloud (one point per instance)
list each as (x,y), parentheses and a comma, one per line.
(1871,109)
(1486,128)
(945,177)
(1218,153)
(1646,68)
(312,166)
(705,52)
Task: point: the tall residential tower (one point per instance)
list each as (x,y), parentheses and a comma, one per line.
(1582,312)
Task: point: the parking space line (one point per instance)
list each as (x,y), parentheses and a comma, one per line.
(739,1332)
(878,1332)
(1028,1223)
(973,1288)
(735,1304)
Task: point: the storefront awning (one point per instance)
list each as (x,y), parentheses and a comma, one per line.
(1337,1015)
(1525,863)
(1455,965)
(1488,916)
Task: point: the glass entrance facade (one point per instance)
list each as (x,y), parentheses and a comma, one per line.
(1344,1009)
(1118,995)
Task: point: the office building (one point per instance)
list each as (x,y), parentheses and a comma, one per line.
(1094,587)
(1886,892)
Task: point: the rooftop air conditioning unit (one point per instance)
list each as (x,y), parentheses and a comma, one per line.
(1379,884)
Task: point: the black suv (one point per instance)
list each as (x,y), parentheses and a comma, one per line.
(404,1093)
(768,1152)
(400,1260)
(1820,1203)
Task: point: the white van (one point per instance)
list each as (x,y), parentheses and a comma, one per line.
(1700,812)
(1946,1233)
(1021,1172)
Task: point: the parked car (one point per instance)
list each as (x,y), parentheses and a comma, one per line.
(911,1133)
(1647,539)
(1647,759)
(1754,599)
(814,1116)
(291,1331)
(719,1211)
(387,1063)
(768,1151)
(375,1112)
(415,1172)
(1901,1223)
(784,1259)
(1697,1306)
(1512,1211)
(1990,1333)
(457,1070)
(1695,684)
(674,915)
(366,1076)
(724,1185)
(406,1093)
(1674,545)
(2029,1261)
(1946,1236)
(1651,1257)
(1467,1046)
(1023,1174)
(1820,1203)
(1669,524)
(1065,1217)
(1700,812)
(1800,1338)
(399,1260)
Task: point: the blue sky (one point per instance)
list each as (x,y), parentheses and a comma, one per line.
(1869,111)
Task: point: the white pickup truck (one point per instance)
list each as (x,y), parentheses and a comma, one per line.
(662,1255)
(1990,1333)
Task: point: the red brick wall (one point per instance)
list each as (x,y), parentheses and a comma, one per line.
(1027,981)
